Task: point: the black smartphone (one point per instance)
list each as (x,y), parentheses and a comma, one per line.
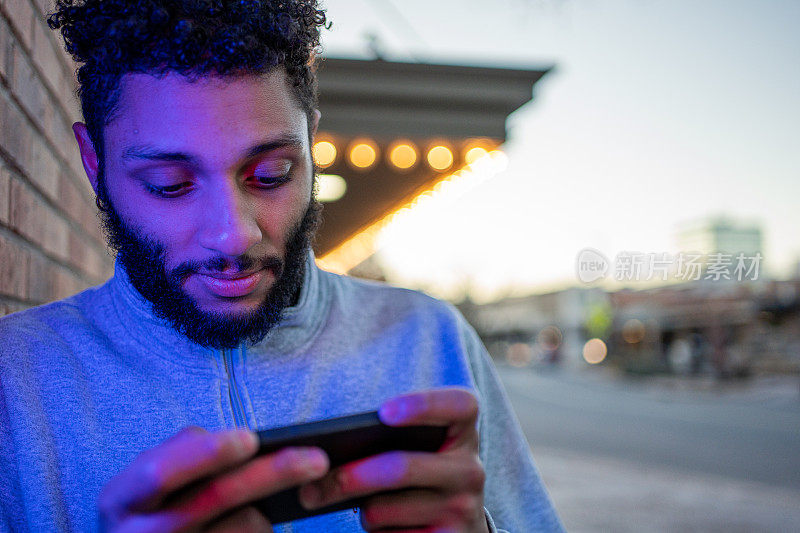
(344,439)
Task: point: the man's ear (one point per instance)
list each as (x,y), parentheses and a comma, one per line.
(88,153)
(315,123)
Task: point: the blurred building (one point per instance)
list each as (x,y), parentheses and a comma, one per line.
(719,235)
(553,326)
(725,329)
(703,327)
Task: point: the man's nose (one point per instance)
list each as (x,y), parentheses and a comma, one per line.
(230,226)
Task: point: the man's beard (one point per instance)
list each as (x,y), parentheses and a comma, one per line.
(144,260)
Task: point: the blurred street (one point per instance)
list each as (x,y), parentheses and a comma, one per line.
(663,454)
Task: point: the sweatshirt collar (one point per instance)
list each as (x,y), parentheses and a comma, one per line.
(299,323)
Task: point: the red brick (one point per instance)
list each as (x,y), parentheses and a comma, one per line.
(73,159)
(85,257)
(65,283)
(55,234)
(15,135)
(90,220)
(77,250)
(27,213)
(73,109)
(13,269)
(61,134)
(100,265)
(43,6)
(48,119)
(16,307)
(40,279)
(69,84)
(7,45)
(5,192)
(27,87)
(45,56)
(64,141)
(66,99)
(20,14)
(76,205)
(43,169)
(53,70)
(95,228)
(69,198)
(73,105)
(6,308)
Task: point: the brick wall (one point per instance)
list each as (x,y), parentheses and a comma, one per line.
(51,245)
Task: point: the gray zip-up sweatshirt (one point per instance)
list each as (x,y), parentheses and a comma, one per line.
(89,382)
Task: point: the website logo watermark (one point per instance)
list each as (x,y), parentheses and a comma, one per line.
(591,265)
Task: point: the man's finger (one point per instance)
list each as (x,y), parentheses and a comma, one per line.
(437,407)
(188,456)
(396,470)
(257,479)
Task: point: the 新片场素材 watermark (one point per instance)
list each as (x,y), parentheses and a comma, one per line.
(592,265)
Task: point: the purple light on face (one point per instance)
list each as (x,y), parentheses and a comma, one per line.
(179,274)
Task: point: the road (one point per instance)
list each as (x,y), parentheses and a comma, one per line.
(663,455)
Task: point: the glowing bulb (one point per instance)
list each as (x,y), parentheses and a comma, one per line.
(363,154)
(594,351)
(324,153)
(440,157)
(519,354)
(475,153)
(403,155)
(633,331)
(549,338)
(331,187)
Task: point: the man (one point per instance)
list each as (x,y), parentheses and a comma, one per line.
(131,406)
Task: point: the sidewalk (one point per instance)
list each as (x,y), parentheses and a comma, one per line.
(593,493)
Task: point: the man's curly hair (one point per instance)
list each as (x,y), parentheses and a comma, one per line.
(111,38)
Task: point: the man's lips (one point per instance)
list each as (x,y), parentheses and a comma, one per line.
(232,284)
(228,275)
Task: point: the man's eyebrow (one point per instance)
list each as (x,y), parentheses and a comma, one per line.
(151,153)
(289,140)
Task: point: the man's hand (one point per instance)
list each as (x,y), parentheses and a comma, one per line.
(190,481)
(441,492)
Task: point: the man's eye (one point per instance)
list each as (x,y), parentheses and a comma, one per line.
(270,179)
(170,191)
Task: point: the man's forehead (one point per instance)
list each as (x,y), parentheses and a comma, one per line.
(180,110)
(172,88)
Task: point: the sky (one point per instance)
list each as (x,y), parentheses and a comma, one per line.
(657,113)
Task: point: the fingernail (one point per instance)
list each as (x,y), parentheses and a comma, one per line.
(312,460)
(315,460)
(310,496)
(246,441)
(394,411)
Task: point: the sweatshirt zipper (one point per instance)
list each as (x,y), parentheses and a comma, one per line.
(233,391)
